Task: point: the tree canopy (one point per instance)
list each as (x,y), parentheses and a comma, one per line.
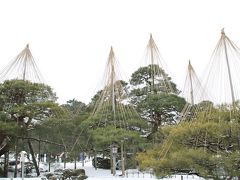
(152,96)
(207,147)
(151,78)
(24,104)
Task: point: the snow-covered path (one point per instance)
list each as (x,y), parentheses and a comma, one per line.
(102,174)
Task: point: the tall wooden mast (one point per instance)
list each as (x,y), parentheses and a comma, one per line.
(25,62)
(224,37)
(111,59)
(190,71)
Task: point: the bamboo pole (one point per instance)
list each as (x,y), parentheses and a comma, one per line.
(228,68)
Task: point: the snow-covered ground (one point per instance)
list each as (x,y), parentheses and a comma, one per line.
(133,174)
(102,174)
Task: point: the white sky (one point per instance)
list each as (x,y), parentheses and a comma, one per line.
(70,39)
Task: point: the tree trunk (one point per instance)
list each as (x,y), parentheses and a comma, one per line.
(95,159)
(111,159)
(6,161)
(16,157)
(65,159)
(83,159)
(75,162)
(49,166)
(33,157)
(154,128)
(39,152)
(157,122)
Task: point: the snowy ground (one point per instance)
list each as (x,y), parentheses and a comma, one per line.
(133,174)
(101,174)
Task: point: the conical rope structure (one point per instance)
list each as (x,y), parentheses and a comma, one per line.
(193,92)
(219,86)
(22,67)
(151,86)
(159,80)
(191,86)
(208,134)
(29,102)
(112,117)
(112,105)
(223,75)
(218,98)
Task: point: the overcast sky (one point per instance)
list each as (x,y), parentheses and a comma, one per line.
(70,39)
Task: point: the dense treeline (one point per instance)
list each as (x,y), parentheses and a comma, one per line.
(31,120)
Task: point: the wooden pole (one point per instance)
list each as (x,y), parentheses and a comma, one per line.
(228,68)
(16,157)
(122,158)
(111,158)
(33,157)
(114,164)
(152,64)
(25,62)
(191,84)
(111,61)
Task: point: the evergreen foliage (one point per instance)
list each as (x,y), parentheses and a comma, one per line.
(151,95)
(207,147)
